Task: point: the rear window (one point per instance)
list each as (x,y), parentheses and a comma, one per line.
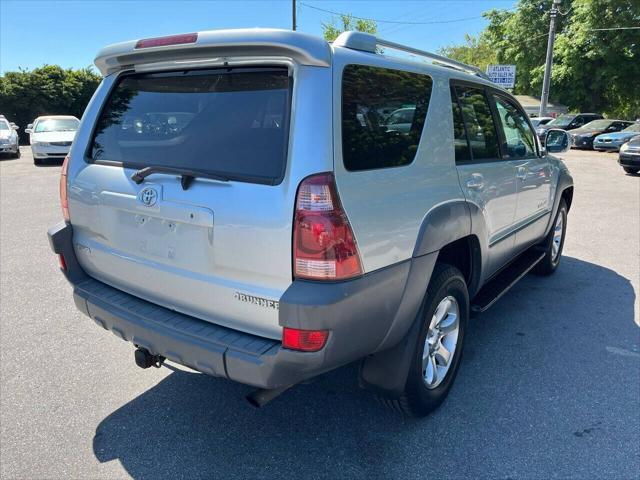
(232,122)
(383,113)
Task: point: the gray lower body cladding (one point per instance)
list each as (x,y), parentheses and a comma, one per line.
(364,316)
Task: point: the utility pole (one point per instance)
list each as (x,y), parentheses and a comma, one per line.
(293,13)
(547,67)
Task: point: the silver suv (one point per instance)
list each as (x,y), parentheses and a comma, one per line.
(236,202)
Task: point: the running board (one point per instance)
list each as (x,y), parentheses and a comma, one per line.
(507,278)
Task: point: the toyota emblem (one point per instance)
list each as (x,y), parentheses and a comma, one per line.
(149,197)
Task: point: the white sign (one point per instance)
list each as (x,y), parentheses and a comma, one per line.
(502,75)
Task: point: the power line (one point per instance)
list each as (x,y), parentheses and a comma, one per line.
(398,22)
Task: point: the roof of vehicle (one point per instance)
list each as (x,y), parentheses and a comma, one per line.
(218,46)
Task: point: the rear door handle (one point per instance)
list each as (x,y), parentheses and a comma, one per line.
(476,181)
(521,173)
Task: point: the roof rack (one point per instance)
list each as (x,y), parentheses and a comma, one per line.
(366,42)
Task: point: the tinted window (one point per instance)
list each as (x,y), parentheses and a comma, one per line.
(519,141)
(371,137)
(460,143)
(477,118)
(233,122)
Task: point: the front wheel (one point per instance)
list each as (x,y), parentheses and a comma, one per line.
(438,348)
(631,169)
(17,154)
(554,243)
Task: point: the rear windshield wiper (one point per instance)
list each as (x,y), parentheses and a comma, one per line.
(187,175)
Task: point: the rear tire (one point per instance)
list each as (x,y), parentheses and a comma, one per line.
(553,243)
(444,321)
(631,169)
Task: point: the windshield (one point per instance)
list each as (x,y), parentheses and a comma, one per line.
(4,125)
(561,121)
(597,125)
(632,128)
(57,125)
(233,123)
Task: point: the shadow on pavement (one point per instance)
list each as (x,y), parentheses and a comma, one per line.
(533,357)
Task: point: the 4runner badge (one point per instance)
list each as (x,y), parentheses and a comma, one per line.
(261,302)
(148,196)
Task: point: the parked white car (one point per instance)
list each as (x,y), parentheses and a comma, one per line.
(51,137)
(9,138)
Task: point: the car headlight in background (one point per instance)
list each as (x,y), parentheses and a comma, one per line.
(624,147)
(4,141)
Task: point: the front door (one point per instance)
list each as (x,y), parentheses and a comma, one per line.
(533,172)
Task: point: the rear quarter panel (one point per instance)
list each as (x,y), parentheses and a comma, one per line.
(386,207)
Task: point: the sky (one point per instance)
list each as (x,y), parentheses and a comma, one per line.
(70,33)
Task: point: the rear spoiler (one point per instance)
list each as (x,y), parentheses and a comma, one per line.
(303,48)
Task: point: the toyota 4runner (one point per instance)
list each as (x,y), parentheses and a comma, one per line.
(237,202)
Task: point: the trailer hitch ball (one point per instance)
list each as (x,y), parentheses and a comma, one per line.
(144,359)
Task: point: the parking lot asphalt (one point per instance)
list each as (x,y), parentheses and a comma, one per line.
(549,385)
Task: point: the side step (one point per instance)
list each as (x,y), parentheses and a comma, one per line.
(506,279)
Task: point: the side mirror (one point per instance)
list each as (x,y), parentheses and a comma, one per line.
(30,125)
(15,127)
(28,130)
(557,141)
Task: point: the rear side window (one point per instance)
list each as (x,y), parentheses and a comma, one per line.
(232,122)
(460,143)
(383,114)
(479,123)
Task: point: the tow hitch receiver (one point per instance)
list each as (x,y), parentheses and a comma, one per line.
(144,359)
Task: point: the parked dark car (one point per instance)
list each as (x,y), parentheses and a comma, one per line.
(629,157)
(584,136)
(567,121)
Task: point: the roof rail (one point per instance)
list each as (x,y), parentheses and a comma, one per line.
(366,42)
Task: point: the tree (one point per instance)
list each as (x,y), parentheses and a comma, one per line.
(476,51)
(48,90)
(331,30)
(593,70)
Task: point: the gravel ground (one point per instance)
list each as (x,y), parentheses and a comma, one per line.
(549,386)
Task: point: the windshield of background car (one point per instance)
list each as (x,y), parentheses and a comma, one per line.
(57,125)
(632,128)
(232,122)
(4,125)
(370,139)
(561,121)
(596,125)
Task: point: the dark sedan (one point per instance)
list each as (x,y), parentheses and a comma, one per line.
(583,137)
(629,157)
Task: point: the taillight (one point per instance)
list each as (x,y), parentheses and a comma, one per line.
(166,41)
(304,340)
(62,262)
(324,247)
(63,189)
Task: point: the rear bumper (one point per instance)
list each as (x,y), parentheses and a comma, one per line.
(363,316)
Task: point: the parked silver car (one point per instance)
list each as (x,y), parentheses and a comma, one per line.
(280,229)
(9,141)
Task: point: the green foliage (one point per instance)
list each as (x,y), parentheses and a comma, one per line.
(332,30)
(48,90)
(476,51)
(592,70)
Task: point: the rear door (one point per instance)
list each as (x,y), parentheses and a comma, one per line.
(220,249)
(487,179)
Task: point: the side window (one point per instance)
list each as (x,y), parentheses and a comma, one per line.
(518,142)
(477,117)
(460,142)
(383,114)
(578,122)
